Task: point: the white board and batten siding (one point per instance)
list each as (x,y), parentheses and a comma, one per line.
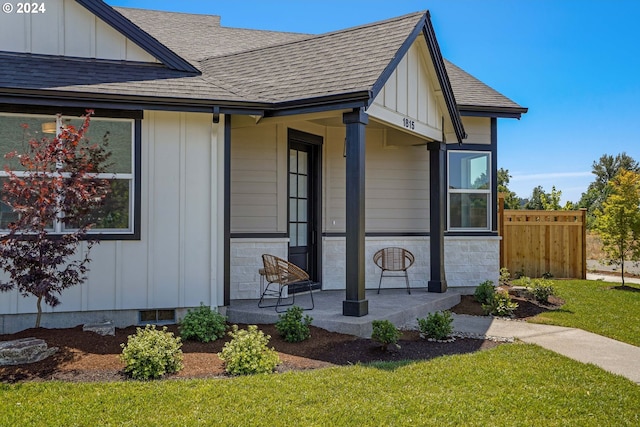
(64,28)
(410,99)
(178,262)
(478,130)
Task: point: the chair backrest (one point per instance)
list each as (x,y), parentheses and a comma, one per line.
(393,259)
(278,270)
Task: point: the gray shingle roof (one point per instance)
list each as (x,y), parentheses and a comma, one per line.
(24,71)
(471,93)
(329,64)
(196,37)
(241,65)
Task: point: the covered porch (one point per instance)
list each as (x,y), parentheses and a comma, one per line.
(395,305)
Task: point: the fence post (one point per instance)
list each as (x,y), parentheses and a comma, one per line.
(501,228)
(583,211)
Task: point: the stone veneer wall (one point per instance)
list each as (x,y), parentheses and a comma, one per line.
(333,263)
(246,260)
(468,261)
(471,260)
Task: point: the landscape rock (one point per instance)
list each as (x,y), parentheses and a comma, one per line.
(24,350)
(102,328)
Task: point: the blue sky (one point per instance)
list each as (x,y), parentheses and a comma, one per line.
(574,63)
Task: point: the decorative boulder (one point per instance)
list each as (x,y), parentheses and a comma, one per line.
(102,328)
(25,350)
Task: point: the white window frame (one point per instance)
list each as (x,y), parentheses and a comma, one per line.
(486,192)
(58,225)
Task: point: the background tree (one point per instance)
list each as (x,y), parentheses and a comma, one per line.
(511,200)
(57,183)
(605,169)
(535,200)
(619,224)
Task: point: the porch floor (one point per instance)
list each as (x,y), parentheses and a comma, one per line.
(395,305)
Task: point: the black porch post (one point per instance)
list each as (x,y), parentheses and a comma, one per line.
(355,303)
(438,180)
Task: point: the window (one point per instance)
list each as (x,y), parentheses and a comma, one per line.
(469,193)
(116,216)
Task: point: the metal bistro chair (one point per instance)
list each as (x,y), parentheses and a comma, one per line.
(394,259)
(282,273)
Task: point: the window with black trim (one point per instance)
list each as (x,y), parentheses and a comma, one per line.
(116,217)
(469,190)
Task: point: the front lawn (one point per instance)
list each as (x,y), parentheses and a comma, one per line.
(513,384)
(599,307)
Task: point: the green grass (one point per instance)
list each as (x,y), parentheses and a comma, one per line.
(515,384)
(597,307)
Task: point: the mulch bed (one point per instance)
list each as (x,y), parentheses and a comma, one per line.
(87,356)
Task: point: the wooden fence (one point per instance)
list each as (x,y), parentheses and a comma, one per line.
(538,242)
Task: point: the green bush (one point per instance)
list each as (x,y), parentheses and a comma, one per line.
(500,304)
(437,325)
(505,277)
(151,353)
(541,289)
(484,292)
(247,352)
(203,324)
(292,326)
(385,333)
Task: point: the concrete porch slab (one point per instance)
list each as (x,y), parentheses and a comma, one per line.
(394,305)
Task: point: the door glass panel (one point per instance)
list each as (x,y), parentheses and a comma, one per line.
(293,211)
(302,162)
(293,185)
(302,210)
(293,161)
(302,234)
(293,234)
(302,186)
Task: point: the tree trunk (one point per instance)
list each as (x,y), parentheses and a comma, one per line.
(39,304)
(622,270)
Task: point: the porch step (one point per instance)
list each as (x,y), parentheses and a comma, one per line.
(394,305)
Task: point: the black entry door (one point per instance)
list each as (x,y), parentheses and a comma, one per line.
(304,202)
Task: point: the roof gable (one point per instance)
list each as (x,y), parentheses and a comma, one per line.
(411,71)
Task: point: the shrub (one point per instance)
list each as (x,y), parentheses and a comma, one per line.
(247,352)
(505,277)
(437,325)
(500,304)
(203,324)
(385,333)
(292,326)
(151,353)
(484,292)
(541,289)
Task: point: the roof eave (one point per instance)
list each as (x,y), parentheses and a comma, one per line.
(140,37)
(490,111)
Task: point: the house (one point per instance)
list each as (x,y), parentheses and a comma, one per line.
(231,143)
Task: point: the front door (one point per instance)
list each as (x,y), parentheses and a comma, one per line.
(304,202)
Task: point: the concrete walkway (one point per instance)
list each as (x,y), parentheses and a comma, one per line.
(611,355)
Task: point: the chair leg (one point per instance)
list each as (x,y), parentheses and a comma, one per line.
(262,297)
(380,282)
(406,277)
(278,304)
(310,293)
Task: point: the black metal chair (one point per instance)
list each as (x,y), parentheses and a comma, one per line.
(282,273)
(394,260)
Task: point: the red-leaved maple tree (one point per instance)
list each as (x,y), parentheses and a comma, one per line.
(57,183)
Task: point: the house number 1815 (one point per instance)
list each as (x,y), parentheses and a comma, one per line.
(408,123)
